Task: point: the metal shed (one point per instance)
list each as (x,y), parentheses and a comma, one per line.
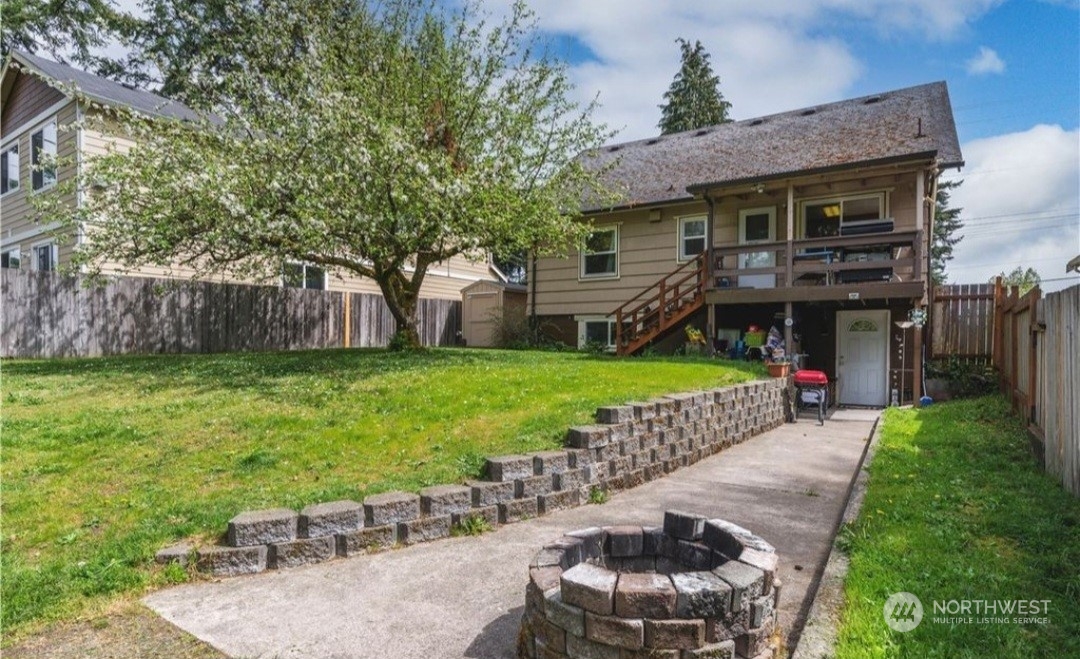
(484,302)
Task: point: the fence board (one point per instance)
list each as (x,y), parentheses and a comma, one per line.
(48,315)
(962,321)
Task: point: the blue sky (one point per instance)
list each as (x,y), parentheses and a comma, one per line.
(1013,70)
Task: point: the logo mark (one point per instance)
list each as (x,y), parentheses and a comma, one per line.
(903,612)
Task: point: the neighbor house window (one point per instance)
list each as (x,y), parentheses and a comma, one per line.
(303,275)
(45,257)
(43,155)
(9,170)
(596,332)
(691,237)
(9,258)
(600,253)
(824,217)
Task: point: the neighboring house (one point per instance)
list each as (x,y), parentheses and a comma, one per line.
(36,106)
(820,217)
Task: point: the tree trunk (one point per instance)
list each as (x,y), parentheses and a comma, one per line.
(401,297)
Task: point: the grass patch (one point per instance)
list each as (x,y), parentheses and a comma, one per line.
(107,460)
(956,509)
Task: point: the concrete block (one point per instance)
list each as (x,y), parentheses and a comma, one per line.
(304,551)
(578,458)
(568,617)
(615,414)
(645,596)
(684,526)
(550,462)
(508,467)
(391,508)
(546,579)
(573,548)
(517,510)
(488,493)
(549,635)
(592,540)
(620,431)
(533,485)
(328,519)
(550,557)
(731,539)
(546,503)
(180,553)
(424,529)
(490,514)
(582,648)
(694,555)
(262,527)
(570,479)
(746,582)
(588,436)
(643,411)
(445,500)
(753,642)
(620,541)
(231,561)
(723,650)
(680,634)
(366,540)
(590,588)
(613,631)
(652,540)
(701,595)
(767,562)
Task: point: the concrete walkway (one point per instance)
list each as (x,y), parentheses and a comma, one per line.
(463,597)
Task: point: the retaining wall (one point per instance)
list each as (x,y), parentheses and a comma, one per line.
(629,445)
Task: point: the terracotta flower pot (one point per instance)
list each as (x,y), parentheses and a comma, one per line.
(778,370)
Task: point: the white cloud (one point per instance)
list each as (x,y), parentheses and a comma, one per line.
(771,55)
(1020,200)
(985,62)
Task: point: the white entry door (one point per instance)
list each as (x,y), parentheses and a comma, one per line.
(862,354)
(757,225)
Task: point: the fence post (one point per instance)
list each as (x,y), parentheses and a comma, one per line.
(1033,363)
(348,319)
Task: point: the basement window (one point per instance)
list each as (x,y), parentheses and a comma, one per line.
(596,332)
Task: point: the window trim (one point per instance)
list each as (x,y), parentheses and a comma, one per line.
(305,265)
(18,169)
(882,194)
(34,256)
(582,276)
(680,238)
(582,321)
(40,128)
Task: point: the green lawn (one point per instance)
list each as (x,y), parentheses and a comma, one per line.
(107,460)
(957,510)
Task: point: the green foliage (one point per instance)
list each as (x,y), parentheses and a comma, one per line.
(967,378)
(1025,280)
(471,525)
(372,141)
(598,495)
(63,30)
(106,461)
(947,224)
(956,508)
(693,100)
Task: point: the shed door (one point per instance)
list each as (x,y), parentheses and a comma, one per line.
(862,357)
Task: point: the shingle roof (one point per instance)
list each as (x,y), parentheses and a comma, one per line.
(104,90)
(861,131)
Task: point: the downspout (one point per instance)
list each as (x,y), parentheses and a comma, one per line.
(532,286)
(710,323)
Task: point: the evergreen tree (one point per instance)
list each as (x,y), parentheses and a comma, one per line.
(946,225)
(1024,279)
(694,99)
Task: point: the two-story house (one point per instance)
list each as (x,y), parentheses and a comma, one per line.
(43,108)
(816,222)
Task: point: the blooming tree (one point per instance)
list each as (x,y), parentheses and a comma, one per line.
(373,139)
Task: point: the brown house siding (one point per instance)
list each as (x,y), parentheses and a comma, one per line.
(29,97)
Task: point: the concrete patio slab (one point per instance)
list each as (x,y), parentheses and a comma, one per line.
(463,597)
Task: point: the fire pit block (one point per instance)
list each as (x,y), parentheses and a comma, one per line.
(625,591)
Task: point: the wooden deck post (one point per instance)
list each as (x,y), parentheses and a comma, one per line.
(916,372)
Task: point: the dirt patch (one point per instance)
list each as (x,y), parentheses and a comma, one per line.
(134,632)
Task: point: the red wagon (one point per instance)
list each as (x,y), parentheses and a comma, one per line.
(811,388)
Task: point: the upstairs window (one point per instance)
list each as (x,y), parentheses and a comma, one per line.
(600,254)
(691,236)
(824,217)
(46,257)
(9,170)
(43,156)
(303,275)
(10,258)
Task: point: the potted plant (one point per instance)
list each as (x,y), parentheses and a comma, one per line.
(779,367)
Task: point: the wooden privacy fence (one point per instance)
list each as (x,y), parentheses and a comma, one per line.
(962,321)
(49,315)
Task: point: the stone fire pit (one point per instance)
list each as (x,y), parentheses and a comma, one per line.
(695,588)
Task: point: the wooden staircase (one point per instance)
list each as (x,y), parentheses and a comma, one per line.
(658,308)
